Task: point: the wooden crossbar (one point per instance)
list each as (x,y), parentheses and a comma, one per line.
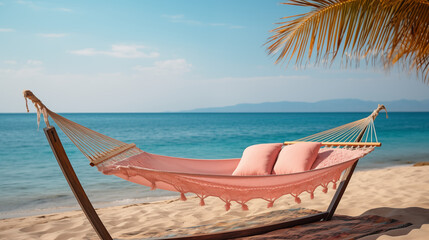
(110,154)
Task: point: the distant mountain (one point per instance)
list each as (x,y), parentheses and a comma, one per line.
(335,105)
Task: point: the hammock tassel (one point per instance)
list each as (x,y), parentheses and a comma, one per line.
(40,107)
(153,186)
(227,206)
(182,197)
(297,199)
(325,189)
(202,203)
(334,186)
(244,207)
(311,195)
(270,204)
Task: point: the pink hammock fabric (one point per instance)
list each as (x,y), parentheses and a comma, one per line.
(214,177)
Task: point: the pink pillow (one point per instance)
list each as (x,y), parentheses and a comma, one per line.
(258,159)
(297,157)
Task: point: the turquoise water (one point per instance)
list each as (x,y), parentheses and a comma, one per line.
(32,183)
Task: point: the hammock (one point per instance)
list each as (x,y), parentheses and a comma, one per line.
(343,146)
(214,177)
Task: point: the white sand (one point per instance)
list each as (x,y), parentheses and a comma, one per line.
(401,193)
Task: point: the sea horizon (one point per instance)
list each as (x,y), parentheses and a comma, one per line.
(188,112)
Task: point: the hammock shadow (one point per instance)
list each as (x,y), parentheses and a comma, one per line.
(415,215)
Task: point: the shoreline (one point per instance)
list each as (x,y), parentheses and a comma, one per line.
(62,209)
(398,192)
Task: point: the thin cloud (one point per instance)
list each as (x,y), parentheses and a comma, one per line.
(7,30)
(36,6)
(180,18)
(34,62)
(236,27)
(174,17)
(28,62)
(29,4)
(11,62)
(226,25)
(52,35)
(63,9)
(21,72)
(118,51)
(167,67)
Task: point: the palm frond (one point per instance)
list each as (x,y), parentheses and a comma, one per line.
(411,45)
(389,31)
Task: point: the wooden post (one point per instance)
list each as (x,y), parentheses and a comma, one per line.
(76,187)
(343,185)
(339,193)
(359,138)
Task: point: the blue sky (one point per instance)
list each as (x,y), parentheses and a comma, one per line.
(154,56)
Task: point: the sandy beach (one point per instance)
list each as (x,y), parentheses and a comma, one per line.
(399,192)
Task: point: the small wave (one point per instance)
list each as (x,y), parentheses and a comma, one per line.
(34,211)
(53,196)
(129,201)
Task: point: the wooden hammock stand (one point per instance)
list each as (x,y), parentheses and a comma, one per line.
(97,224)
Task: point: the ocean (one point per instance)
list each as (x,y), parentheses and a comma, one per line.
(31,181)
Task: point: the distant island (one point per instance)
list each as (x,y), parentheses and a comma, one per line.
(335,105)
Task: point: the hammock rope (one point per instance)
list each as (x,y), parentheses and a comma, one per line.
(349,132)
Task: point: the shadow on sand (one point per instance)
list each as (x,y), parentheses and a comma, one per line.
(414,215)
